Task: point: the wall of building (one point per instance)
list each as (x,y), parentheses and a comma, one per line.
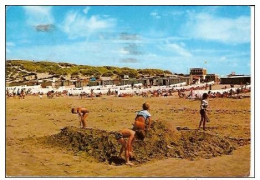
(236,80)
(107,82)
(214,78)
(198,71)
(159,81)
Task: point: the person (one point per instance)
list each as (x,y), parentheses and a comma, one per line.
(143,119)
(203,109)
(22,94)
(126,137)
(83,113)
(206,87)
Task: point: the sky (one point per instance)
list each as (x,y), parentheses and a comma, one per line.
(174,38)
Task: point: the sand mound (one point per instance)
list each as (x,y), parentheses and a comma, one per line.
(161,142)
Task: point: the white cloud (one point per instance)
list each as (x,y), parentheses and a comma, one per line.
(234,64)
(223,58)
(93,53)
(85,10)
(226,30)
(123,51)
(155,15)
(77,25)
(10,44)
(177,13)
(38,15)
(211,51)
(177,49)
(103,52)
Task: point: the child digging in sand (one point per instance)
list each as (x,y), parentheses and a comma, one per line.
(203,111)
(82,113)
(143,119)
(126,137)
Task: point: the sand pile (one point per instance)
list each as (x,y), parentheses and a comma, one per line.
(162,141)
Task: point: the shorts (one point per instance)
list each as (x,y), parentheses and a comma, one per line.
(118,136)
(202,112)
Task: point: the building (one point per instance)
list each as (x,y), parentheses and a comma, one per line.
(106,81)
(241,79)
(198,74)
(45,83)
(184,78)
(233,74)
(163,80)
(212,77)
(29,77)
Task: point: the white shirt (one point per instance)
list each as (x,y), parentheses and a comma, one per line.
(144,113)
(204,104)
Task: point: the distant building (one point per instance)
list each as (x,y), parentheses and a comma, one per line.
(233,74)
(125,77)
(106,81)
(163,80)
(93,79)
(197,74)
(212,77)
(30,76)
(46,83)
(236,79)
(185,78)
(81,83)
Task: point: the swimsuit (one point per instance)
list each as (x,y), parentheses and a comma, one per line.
(202,112)
(118,136)
(146,119)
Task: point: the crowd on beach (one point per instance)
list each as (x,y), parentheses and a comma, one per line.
(142,122)
(193,91)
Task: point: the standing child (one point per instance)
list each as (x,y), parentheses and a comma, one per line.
(203,109)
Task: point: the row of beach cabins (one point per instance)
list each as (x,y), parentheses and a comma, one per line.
(196,90)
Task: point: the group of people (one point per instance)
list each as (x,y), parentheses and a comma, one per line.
(141,126)
(20,93)
(125,137)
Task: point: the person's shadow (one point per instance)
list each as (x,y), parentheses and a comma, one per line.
(116,160)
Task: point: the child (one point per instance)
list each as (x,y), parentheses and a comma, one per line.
(83,113)
(127,144)
(143,119)
(203,109)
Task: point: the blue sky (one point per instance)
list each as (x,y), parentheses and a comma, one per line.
(175,38)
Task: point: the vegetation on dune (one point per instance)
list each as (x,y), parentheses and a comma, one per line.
(151,71)
(17,66)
